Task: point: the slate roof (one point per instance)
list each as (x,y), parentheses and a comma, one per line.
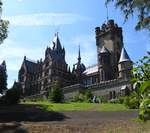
(91,69)
(31,66)
(124,56)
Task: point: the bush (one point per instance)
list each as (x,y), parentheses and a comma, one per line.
(12,95)
(102,99)
(121,100)
(114,101)
(88,95)
(78,97)
(131,102)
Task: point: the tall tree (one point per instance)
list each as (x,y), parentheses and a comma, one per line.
(3,77)
(3,26)
(140,8)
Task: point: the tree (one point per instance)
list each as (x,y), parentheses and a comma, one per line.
(55,92)
(133,7)
(142,86)
(3,77)
(3,26)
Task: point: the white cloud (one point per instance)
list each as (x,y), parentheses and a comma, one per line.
(45,19)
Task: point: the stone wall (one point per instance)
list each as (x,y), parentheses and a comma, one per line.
(99,89)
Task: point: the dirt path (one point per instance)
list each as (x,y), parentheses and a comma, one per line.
(31,119)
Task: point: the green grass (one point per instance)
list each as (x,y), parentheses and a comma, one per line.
(73,106)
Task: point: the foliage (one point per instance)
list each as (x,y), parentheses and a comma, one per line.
(88,95)
(12,95)
(121,100)
(83,96)
(3,27)
(102,99)
(55,92)
(131,102)
(142,85)
(78,97)
(3,77)
(133,7)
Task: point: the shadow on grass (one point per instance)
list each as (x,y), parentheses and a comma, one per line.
(31,113)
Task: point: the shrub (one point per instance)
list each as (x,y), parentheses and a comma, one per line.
(102,99)
(144,112)
(78,97)
(131,102)
(121,100)
(88,95)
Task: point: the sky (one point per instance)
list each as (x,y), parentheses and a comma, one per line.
(33,24)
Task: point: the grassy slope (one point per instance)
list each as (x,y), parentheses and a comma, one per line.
(79,106)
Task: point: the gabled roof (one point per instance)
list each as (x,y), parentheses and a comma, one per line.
(104,50)
(124,56)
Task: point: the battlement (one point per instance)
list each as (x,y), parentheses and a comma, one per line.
(104,84)
(107,27)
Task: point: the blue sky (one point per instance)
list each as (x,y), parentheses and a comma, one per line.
(34,22)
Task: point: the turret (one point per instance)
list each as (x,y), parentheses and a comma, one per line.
(125,65)
(79,68)
(104,67)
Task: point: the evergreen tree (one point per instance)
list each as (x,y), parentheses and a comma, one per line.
(55,92)
(3,77)
(3,26)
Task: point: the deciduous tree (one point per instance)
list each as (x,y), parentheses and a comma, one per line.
(139,8)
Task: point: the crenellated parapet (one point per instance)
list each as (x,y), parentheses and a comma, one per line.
(108,27)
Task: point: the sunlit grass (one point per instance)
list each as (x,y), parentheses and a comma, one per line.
(75,106)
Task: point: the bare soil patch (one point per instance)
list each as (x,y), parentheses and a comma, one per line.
(33,119)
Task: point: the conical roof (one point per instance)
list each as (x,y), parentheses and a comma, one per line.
(104,50)
(124,56)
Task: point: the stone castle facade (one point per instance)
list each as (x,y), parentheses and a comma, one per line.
(109,77)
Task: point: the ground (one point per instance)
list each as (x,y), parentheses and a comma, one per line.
(35,119)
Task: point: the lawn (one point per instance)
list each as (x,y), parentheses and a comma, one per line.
(74,106)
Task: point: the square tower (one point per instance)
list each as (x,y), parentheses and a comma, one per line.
(108,36)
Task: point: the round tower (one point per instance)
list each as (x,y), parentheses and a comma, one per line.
(125,65)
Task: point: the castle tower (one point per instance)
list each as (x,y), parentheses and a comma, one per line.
(104,67)
(125,65)
(110,36)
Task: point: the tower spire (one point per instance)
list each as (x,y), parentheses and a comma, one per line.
(79,55)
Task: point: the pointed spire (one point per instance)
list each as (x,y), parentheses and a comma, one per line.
(104,50)
(124,56)
(79,55)
(56,42)
(24,57)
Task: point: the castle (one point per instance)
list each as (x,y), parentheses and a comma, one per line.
(110,77)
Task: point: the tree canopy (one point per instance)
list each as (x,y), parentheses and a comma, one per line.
(139,8)
(3,26)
